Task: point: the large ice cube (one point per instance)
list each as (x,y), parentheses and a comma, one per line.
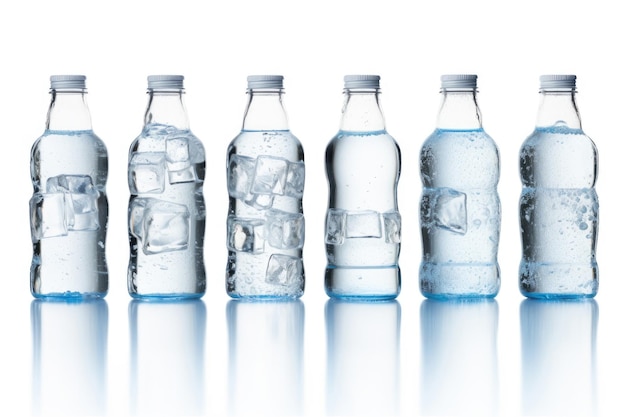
(240,175)
(146,173)
(294,185)
(47,216)
(283,270)
(445,208)
(177,150)
(392,222)
(246,235)
(180,168)
(270,175)
(335,226)
(365,223)
(285,230)
(160,225)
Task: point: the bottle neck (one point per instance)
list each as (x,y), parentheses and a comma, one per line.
(361,111)
(166,108)
(265,111)
(68,111)
(459,111)
(558,108)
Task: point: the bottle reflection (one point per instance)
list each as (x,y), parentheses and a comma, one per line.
(265,357)
(459,357)
(69,356)
(559,357)
(362,357)
(167,357)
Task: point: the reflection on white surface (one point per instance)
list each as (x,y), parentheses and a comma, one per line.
(69,357)
(559,357)
(459,357)
(362,358)
(167,357)
(265,357)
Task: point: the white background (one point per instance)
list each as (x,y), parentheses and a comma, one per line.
(573,365)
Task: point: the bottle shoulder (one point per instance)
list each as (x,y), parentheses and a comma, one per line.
(280,143)
(158,138)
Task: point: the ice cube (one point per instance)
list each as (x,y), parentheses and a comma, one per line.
(177,149)
(283,270)
(445,208)
(365,223)
(135,216)
(165,227)
(246,235)
(81,200)
(187,174)
(294,185)
(285,230)
(146,173)
(47,216)
(240,175)
(392,222)
(270,175)
(335,226)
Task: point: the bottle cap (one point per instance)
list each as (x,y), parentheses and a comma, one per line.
(361,81)
(557,81)
(461,81)
(58,82)
(166,82)
(265,81)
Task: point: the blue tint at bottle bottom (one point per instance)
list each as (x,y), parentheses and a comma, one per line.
(366,284)
(459,280)
(558,280)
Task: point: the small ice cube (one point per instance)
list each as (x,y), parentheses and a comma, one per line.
(240,175)
(146,173)
(182,175)
(135,216)
(285,230)
(165,226)
(270,175)
(177,149)
(261,201)
(445,208)
(335,226)
(81,200)
(294,186)
(283,270)
(246,235)
(47,216)
(393,223)
(365,223)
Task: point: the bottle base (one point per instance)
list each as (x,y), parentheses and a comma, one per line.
(166,297)
(558,281)
(366,284)
(69,296)
(459,281)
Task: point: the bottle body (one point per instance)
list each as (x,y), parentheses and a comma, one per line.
(265,223)
(459,214)
(69,207)
(166,214)
(363,224)
(558,214)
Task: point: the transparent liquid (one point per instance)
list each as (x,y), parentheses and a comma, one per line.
(558,214)
(68,215)
(166,215)
(460,215)
(363,225)
(265,223)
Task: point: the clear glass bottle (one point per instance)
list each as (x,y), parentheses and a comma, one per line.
(558,205)
(460,206)
(265,223)
(69,208)
(166,213)
(362,222)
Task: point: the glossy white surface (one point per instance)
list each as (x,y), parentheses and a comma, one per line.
(312,357)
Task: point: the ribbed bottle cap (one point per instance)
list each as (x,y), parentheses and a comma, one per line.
(265,81)
(58,82)
(557,81)
(361,81)
(452,81)
(167,82)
